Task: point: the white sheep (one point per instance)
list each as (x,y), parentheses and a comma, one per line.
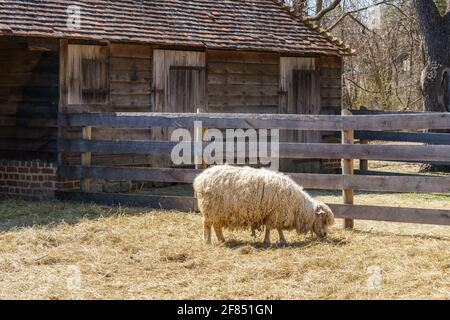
(243,197)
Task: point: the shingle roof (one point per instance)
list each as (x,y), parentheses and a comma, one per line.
(265,25)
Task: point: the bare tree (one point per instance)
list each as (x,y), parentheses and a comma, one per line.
(320,10)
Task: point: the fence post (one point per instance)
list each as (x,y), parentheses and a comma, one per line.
(363,164)
(348,137)
(86,159)
(199,134)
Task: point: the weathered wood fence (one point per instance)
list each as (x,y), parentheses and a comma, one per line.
(364,137)
(347,182)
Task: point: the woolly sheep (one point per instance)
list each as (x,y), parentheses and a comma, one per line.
(243,197)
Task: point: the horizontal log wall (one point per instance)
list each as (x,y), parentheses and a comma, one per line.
(130,78)
(130,73)
(28,98)
(242,82)
(331,85)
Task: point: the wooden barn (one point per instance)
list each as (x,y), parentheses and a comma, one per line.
(233,56)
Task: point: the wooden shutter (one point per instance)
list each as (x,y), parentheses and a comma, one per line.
(88,75)
(94,85)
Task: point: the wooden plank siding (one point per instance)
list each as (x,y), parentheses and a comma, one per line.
(28,98)
(331,85)
(131,77)
(129,69)
(179,85)
(130,91)
(242,82)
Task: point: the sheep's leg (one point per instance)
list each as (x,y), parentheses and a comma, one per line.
(282,238)
(219,234)
(207,232)
(267,237)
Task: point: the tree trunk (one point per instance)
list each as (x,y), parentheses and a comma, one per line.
(435,34)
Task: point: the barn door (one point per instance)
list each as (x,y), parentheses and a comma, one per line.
(306,98)
(187,87)
(299,93)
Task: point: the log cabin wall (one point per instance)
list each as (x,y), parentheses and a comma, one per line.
(331,85)
(127,88)
(179,86)
(331,69)
(130,69)
(28,98)
(244,82)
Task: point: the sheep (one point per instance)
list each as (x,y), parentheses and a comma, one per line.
(243,197)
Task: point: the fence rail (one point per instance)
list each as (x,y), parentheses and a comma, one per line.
(286,150)
(371,126)
(259,121)
(419,184)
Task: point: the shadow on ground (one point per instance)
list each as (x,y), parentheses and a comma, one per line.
(307,242)
(16,214)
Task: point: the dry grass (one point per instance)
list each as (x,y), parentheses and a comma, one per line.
(136,253)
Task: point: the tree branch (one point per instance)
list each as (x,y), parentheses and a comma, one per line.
(355,11)
(324,11)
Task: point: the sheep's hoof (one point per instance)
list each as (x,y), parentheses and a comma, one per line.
(266,244)
(282,244)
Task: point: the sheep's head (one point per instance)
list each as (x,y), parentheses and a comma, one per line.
(324,218)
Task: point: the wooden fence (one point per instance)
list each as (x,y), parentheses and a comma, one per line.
(348,182)
(364,137)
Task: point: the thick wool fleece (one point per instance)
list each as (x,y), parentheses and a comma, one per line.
(244,197)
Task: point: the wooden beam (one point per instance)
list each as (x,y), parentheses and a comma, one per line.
(209,120)
(392,214)
(187,204)
(133,174)
(348,138)
(63,91)
(363,164)
(429,138)
(417,153)
(419,184)
(416,184)
(86,159)
(431,120)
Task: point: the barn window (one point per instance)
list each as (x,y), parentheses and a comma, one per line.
(94,87)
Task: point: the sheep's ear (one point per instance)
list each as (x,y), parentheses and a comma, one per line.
(320,210)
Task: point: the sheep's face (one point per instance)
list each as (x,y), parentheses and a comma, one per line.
(323,220)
